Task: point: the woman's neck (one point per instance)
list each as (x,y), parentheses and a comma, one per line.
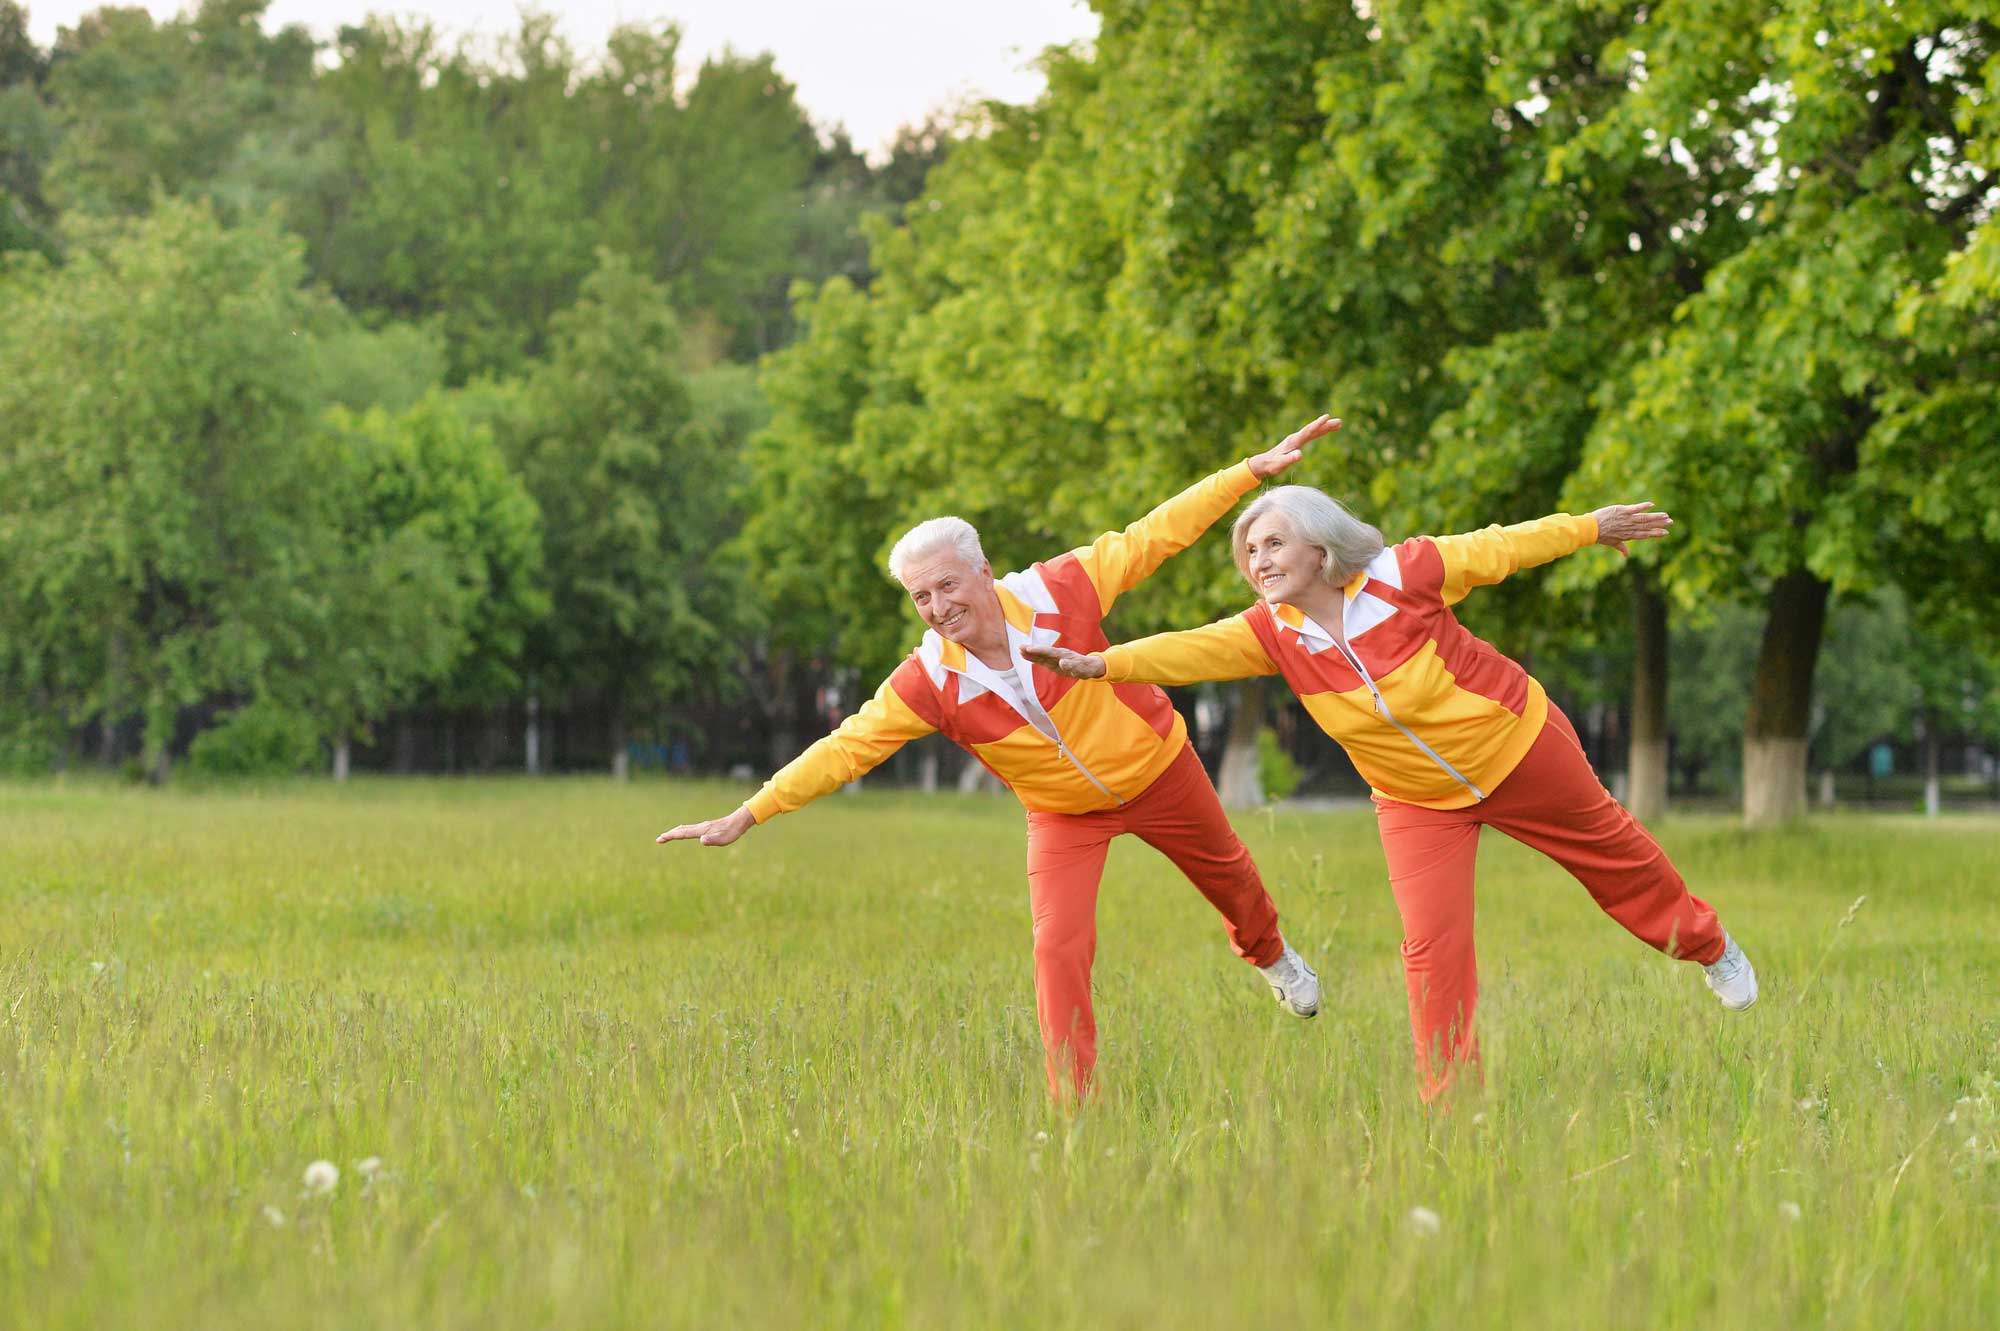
(1325,605)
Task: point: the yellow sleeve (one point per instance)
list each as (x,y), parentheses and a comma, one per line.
(884,724)
(1118,561)
(1482,558)
(1226,649)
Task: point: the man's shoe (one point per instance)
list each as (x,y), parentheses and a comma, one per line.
(1294,984)
(1730,975)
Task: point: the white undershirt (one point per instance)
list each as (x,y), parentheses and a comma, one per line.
(1017,687)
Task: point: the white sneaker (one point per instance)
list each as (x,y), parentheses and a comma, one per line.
(1730,975)
(1293,983)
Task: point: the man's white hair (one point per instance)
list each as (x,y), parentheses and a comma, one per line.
(933,536)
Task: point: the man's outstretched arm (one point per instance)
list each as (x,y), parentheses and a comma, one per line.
(884,724)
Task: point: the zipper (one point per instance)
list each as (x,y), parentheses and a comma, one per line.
(1076,762)
(1053,735)
(1382,706)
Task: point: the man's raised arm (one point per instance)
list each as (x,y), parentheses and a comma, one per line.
(1118,561)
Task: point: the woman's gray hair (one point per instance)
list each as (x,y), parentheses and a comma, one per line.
(929,537)
(1319,520)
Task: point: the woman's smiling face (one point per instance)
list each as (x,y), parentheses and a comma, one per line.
(1281,567)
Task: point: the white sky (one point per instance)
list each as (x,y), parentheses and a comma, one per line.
(871,65)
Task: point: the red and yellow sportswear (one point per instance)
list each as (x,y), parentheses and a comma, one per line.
(1429,714)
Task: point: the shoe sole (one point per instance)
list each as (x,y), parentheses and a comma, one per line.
(1294,1011)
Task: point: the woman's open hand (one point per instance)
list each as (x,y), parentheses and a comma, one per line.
(1290,449)
(1619,523)
(1077,665)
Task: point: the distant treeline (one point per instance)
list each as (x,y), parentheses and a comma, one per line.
(398,379)
(386,375)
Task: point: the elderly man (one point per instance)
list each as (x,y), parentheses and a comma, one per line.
(1089,760)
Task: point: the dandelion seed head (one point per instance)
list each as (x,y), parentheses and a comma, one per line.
(370,1167)
(274,1217)
(1225,1125)
(1424,1222)
(1041,1138)
(1791,1211)
(322,1177)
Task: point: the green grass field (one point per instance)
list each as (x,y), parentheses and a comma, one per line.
(796,1082)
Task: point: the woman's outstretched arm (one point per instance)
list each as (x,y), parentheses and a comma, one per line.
(1226,649)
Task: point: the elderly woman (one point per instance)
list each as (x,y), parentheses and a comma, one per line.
(1451,735)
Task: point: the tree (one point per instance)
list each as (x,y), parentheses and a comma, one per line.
(437,582)
(1772,415)
(160,543)
(27,138)
(475,191)
(635,500)
(145,109)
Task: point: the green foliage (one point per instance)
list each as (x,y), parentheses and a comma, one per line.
(184,525)
(1787,416)
(168,108)
(481,187)
(27,138)
(263,738)
(634,491)
(390,367)
(26,749)
(161,536)
(438,578)
(1277,774)
(828,592)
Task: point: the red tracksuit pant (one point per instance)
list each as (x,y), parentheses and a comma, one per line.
(1179,816)
(1553,802)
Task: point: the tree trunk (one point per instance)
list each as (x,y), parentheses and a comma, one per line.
(927,770)
(1933,800)
(1242,783)
(1646,783)
(492,738)
(621,755)
(1826,788)
(1774,733)
(533,756)
(972,778)
(340,757)
(107,723)
(406,743)
(788,686)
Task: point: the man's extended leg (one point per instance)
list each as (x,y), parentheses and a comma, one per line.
(1179,816)
(1065,863)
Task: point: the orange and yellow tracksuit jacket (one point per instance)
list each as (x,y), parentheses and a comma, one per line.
(1076,746)
(1429,714)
